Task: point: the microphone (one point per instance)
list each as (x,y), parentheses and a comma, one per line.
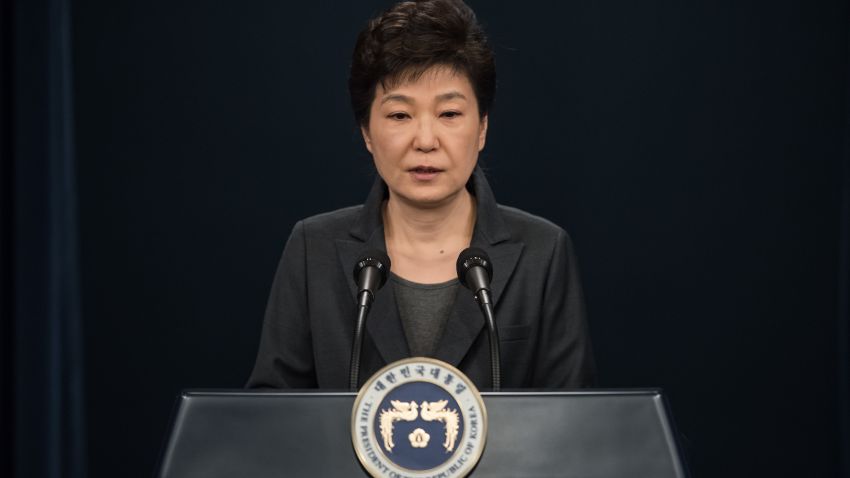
(370,274)
(474,270)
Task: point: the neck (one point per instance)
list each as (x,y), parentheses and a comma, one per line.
(409,226)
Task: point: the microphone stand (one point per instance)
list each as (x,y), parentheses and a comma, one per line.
(362,311)
(485,302)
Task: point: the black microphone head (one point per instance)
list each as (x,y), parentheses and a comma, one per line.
(469,258)
(377,259)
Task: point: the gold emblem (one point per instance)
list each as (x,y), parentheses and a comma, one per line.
(400,411)
(407,411)
(436,411)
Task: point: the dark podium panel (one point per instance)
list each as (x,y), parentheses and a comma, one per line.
(609,434)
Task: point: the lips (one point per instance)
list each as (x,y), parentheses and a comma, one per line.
(425,170)
(424,173)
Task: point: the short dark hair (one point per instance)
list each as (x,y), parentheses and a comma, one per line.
(411,37)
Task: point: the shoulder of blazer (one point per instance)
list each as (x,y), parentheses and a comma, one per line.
(534,231)
(332,224)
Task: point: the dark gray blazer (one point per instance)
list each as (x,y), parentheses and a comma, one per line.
(309,322)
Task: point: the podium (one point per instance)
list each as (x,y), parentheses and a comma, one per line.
(577,434)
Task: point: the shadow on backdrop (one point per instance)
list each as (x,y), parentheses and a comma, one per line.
(43,425)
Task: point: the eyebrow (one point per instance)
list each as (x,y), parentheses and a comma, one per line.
(401,98)
(451,95)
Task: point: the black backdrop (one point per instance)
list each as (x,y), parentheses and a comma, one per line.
(694,150)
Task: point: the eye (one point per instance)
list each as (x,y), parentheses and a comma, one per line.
(398,116)
(450,114)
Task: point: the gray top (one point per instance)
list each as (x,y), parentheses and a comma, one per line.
(424,310)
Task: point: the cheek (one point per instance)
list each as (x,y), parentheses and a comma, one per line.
(388,144)
(387,155)
(470,143)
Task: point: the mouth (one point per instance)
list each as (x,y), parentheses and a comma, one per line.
(425,170)
(424,173)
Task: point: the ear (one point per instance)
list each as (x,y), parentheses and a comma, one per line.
(366,138)
(482,132)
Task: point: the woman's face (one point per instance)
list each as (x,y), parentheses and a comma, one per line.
(425,136)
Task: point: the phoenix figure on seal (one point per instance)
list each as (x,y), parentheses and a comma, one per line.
(407,411)
(437,411)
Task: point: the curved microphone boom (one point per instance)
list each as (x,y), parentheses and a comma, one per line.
(370,274)
(474,270)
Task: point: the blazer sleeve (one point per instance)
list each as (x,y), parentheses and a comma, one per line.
(564,357)
(285,355)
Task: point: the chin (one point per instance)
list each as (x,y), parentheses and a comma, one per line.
(427,199)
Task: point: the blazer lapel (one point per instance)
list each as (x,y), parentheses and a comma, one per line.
(347,253)
(383,323)
(385,328)
(463,326)
(466,320)
(504,257)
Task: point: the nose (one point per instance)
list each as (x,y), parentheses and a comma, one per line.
(426,138)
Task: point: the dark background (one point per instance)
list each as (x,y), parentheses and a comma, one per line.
(696,152)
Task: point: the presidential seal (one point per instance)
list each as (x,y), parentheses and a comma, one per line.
(416,418)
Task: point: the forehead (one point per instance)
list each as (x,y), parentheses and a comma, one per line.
(431,83)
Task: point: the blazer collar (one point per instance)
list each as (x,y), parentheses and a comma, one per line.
(465,320)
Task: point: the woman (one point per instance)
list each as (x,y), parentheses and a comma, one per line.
(422,82)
